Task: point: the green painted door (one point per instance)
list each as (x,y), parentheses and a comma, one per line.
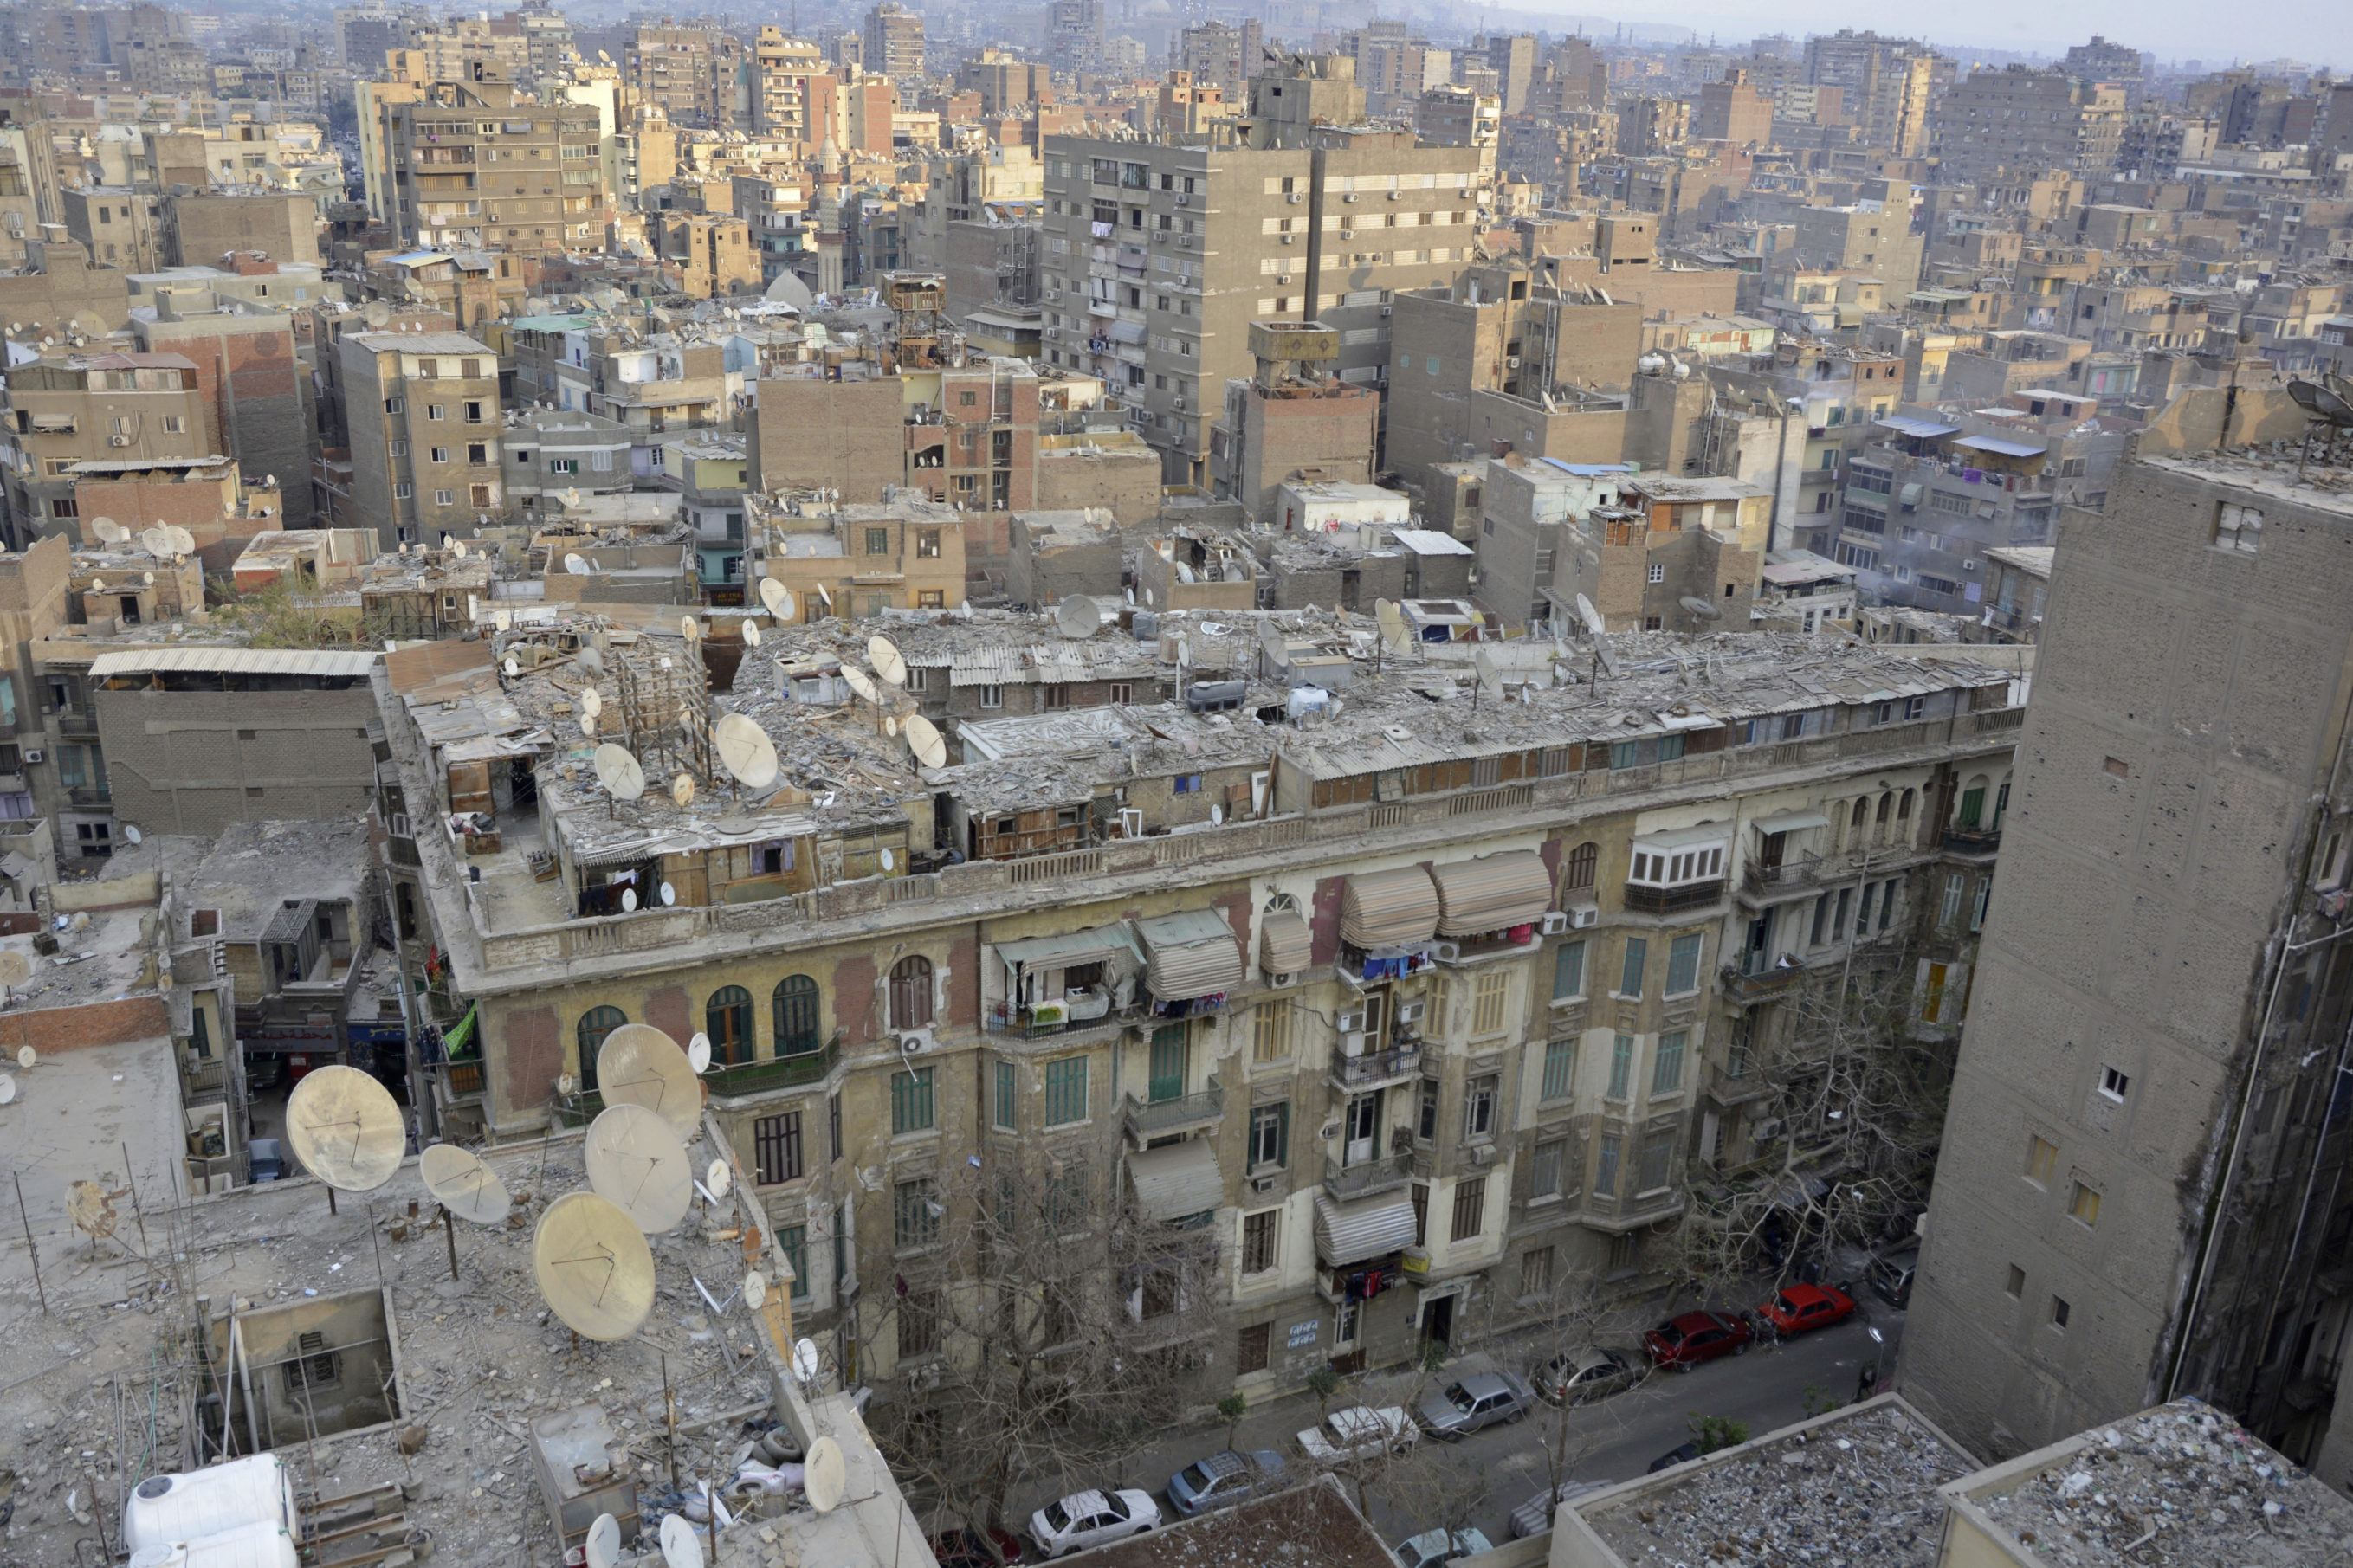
(1168,1063)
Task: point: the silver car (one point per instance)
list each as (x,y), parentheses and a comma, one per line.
(1475,1401)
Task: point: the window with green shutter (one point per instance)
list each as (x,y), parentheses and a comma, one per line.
(792,1240)
(1630,982)
(1005,1109)
(1682,964)
(1667,1067)
(911,1100)
(1559,1068)
(1066,1090)
(1568,971)
(1605,1173)
(1622,1065)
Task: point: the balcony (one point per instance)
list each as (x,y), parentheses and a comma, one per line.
(1975,842)
(1148,1120)
(1369,1070)
(778,1072)
(463,1081)
(1366,1177)
(1646,899)
(1793,872)
(1744,987)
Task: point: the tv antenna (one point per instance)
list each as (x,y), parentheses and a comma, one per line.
(593,1268)
(637,1163)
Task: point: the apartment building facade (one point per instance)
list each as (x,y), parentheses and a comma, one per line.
(894,42)
(423,411)
(2141,1190)
(62,411)
(470,165)
(2017,122)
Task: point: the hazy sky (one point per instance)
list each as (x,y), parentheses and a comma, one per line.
(2318,34)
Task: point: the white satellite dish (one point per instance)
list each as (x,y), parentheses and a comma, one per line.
(502,620)
(1490,679)
(1216,816)
(1589,615)
(669,895)
(107,528)
(594,1268)
(156,541)
(689,628)
(681,790)
(680,1547)
(377,314)
(1705,609)
(698,1053)
(183,542)
(637,1163)
(862,683)
(15,970)
(458,548)
(891,724)
(923,738)
(461,1183)
(1395,633)
(751,635)
(98,584)
(888,664)
(7,1090)
(589,725)
(825,1476)
(719,1178)
(629,901)
(1078,618)
(805,1364)
(1184,653)
(755,1289)
(618,772)
(592,662)
(25,1055)
(592,702)
(571,496)
(889,860)
(574,564)
(746,751)
(133,834)
(777,598)
(604,1543)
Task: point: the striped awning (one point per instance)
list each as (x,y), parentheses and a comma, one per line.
(1284,946)
(1190,955)
(1390,908)
(1492,893)
(1351,1233)
(1177,1181)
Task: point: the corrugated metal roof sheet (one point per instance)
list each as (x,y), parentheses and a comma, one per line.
(1390,908)
(239,660)
(1493,892)
(2002,448)
(1429,542)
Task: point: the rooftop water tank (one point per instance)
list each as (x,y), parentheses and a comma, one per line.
(161,1510)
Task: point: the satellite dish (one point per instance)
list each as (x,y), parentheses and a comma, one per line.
(183,542)
(502,620)
(571,496)
(458,548)
(604,1544)
(1078,618)
(1490,679)
(825,1476)
(1272,644)
(1589,615)
(629,901)
(148,578)
(1705,609)
(345,1129)
(862,683)
(594,1268)
(1184,653)
(565,1083)
(107,528)
(156,541)
(889,860)
(7,1090)
(680,1547)
(923,738)
(751,635)
(746,751)
(755,1289)
(619,772)
(891,724)
(574,564)
(640,1065)
(805,1360)
(1395,633)
(377,314)
(689,628)
(888,664)
(592,663)
(719,1178)
(512,668)
(131,832)
(592,701)
(588,724)
(636,1163)
(669,895)
(98,584)
(1216,816)
(465,1186)
(681,790)
(777,598)
(91,1209)
(2321,403)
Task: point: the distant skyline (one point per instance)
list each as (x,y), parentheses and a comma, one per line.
(2171,30)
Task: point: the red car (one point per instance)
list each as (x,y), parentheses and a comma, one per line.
(1684,1343)
(964,1549)
(1798,1309)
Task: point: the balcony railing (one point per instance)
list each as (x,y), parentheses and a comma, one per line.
(1183,1113)
(1972,841)
(1793,872)
(778,1072)
(464,1079)
(1747,984)
(1371,1069)
(1366,1177)
(1666,901)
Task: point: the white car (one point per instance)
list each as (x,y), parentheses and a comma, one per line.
(1359,1432)
(1083,1519)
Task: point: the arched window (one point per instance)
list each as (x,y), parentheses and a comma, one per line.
(727,1019)
(797,1017)
(1886,805)
(1973,803)
(1578,871)
(1858,822)
(595,1024)
(1903,809)
(911,992)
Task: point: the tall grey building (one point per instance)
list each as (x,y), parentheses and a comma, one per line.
(2141,1190)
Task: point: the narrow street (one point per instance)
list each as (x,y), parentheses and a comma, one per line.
(1614,1439)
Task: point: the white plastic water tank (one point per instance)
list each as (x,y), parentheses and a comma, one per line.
(246,1546)
(1306,700)
(189,1507)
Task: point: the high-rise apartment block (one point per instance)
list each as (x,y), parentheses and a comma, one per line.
(1887,84)
(471,164)
(2018,123)
(785,107)
(688,72)
(894,41)
(423,408)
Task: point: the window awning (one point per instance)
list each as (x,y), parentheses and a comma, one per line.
(1285,945)
(1177,1181)
(1790,822)
(1910,495)
(1126,331)
(1390,908)
(1492,892)
(1925,430)
(1190,955)
(53,421)
(1102,944)
(1351,1233)
(2001,448)
(1709,833)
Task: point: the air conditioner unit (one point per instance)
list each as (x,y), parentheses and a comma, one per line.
(1293,196)
(1581,913)
(1554,922)
(1382,381)
(1260,1184)
(1331,1130)
(1183,200)
(1350,198)
(1180,403)
(1353,1045)
(1352,1021)
(118,440)
(1386,311)
(1512,362)
(1394,194)
(1446,951)
(1412,1012)
(1287,239)
(1184,242)
(1481,1154)
(1284,981)
(34,754)
(913,1040)
(1968,565)
(1283,277)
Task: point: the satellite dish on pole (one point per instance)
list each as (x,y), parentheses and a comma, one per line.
(1078,618)
(755,1289)
(592,701)
(109,530)
(576,564)
(156,541)
(377,314)
(91,1209)
(618,772)
(698,1053)
(1590,617)
(680,1547)
(587,723)
(923,739)
(15,970)
(465,1186)
(458,548)
(183,542)
(825,1476)
(805,1364)
(751,634)
(1395,633)
(1184,652)
(594,1267)
(592,662)
(637,1163)
(888,663)
(862,683)
(640,1065)
(1490,681)
(746,751)
(345,1129)
(1705,609)
(719,1178)
(777,598)
(689,628)
(681,792)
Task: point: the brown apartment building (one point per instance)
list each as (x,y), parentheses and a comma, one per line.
(473,165)
(66,409)
(423,411)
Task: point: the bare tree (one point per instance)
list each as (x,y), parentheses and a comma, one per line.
(1577,1314)
(1053,1331)
(1858,1092)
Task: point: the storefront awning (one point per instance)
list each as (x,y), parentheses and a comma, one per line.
(1492,893)
(1190,955)
(1351,1233)
(1177,1181)
(1390,908)
(1285,946)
